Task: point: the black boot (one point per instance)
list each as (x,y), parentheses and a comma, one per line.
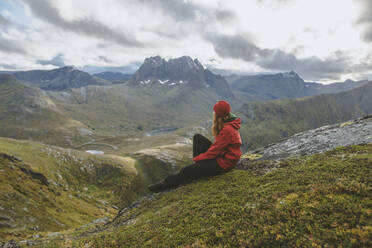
(157,187)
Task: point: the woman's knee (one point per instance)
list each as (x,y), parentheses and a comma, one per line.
(197,136)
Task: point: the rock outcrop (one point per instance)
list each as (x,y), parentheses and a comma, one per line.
(358,131)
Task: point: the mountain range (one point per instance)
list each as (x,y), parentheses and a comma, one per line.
(166,94)
(186,71)
(58,79)
(264,87)
(140,130)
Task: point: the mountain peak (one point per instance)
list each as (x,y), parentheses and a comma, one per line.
(178,71)
(154,61)
(65,69)
(349,81)
(290,74)
(185,63)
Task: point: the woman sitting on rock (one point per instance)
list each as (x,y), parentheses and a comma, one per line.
(210,159)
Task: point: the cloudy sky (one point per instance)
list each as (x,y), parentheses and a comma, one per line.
(322,40)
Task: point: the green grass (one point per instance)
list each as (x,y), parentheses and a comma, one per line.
(322,200)
(78,182)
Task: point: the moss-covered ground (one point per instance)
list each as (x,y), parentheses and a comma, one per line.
(323,200)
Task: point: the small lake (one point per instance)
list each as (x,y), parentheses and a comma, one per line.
(95,152)
(161,131)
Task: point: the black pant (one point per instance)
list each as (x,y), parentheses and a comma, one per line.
(202,168)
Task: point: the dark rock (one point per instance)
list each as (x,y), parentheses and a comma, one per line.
(36,175)
(6,218)
(9,157)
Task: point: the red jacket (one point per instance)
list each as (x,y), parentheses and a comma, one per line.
(226,148)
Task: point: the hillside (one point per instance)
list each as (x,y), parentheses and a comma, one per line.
(294,201)
(28,113)
(59,79)
(268,122)
(46,189)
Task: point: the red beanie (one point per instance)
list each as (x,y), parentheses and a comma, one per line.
(222,108)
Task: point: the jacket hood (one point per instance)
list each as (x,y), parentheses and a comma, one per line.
(234,123)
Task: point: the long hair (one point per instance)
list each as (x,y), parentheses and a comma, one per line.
(217,124)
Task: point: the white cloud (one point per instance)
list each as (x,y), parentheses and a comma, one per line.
(83,32)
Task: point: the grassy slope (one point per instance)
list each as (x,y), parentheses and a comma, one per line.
(268,122)
(82,187)
(27,112)
(78,182)
(313,201)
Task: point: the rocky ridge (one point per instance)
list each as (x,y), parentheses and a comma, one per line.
(285,85)
(319,140)
(59,79)
(179,71)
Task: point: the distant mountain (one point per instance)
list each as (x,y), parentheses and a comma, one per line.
(284,85)
(27,112)
(232,77)
(268,122)
(179,71)
(316,88)
(113,76)
(59,79)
